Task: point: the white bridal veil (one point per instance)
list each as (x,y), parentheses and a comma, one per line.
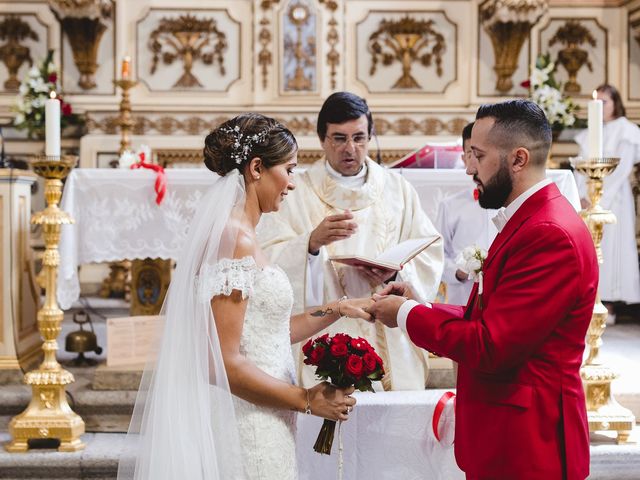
(183,424)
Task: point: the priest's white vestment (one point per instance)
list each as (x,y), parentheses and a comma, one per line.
(387,210)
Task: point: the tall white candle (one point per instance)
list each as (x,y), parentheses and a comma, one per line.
(595,126)
(52,126)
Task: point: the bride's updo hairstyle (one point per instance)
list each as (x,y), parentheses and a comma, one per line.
(234,143)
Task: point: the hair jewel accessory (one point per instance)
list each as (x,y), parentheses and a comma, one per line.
(243,143)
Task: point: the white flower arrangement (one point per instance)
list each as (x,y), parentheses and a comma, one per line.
(547,93)
(129,157)
(471,260)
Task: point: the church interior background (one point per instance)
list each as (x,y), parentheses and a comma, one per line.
(163,74)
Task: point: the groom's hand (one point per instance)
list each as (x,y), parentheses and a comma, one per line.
(385,309)
(402,289)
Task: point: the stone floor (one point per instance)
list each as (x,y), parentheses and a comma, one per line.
(621,350)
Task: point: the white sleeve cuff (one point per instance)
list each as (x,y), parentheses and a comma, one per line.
(403,313)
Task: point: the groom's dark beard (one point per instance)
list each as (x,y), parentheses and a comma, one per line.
(498,188)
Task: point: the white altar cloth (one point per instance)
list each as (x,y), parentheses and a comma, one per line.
(116,216)
(389,436)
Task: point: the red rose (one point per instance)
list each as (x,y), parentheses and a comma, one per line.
(317,355)
(370,363)
(341,338)
(360,344)
(323,338)
(53,77)
(354,366)
(307,347)
(339,349)
(525,84)
(66,109)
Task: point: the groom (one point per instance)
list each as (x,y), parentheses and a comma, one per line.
(520,410)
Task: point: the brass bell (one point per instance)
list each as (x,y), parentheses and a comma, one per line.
(81,341)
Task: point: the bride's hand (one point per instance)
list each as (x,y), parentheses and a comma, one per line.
(329,402)
(356,308)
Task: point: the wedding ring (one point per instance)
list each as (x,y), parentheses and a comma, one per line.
(349,409)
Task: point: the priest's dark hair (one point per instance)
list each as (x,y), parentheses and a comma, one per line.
(519,123)
(340,107)
(466,131)
(232,144)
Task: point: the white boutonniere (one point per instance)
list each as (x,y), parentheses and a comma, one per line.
(471,261)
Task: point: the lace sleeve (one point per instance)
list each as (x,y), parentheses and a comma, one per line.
(225,276)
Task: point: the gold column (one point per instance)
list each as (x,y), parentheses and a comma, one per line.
(48,414)
(603,412)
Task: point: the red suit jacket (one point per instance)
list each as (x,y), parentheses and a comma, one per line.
(520,409)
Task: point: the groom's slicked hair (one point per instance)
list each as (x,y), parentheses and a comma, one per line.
(341,107)
(519,123)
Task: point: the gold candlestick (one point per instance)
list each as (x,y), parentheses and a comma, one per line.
(48,415)
(126,120)
(603,412)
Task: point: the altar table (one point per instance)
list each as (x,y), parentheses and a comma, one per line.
(116,216)
(389,436)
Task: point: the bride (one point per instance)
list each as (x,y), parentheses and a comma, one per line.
(220,401)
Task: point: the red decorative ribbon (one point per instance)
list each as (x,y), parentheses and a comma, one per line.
(437,412)
(160,186)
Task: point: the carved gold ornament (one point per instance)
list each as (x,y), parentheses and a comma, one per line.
(333,37)
(603,412)
(572,34)
(406,41)
(84,23)
(303,52)
(13,54)
(508,24)
(188,39)
(265,57)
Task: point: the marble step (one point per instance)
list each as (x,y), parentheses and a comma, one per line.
(99,461)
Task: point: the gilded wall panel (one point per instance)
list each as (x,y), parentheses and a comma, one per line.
(300,65)
(24,40)
(188,50)
(633,80)
(579,46)
(101,36)
(403,52)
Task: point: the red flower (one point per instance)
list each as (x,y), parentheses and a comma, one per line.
(307,347)
(360,344)
(354,366)
(53,77)
(66,109)
(317,355)
(323,338)
(526,84)
(339,349)
(341,338)
(370,363)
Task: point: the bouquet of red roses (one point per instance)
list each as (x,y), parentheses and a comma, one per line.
(344,361)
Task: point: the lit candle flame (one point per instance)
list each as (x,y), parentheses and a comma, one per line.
(52,95)
(595,95)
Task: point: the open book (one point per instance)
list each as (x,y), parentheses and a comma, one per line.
(393,258)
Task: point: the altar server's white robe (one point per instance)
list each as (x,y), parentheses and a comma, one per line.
(462,222)
(387,210)
(619,274)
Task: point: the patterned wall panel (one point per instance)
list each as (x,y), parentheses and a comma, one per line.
(24,40)
(300,65)
(194,50)
(633,80)
(579,46)
(406,51)
(105,55)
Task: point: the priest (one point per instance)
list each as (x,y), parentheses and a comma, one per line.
(347,204)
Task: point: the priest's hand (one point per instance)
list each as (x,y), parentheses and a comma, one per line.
(376,276)
(331,229)
(402,289)
(385,309)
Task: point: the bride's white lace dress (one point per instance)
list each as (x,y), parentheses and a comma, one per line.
(267,435)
